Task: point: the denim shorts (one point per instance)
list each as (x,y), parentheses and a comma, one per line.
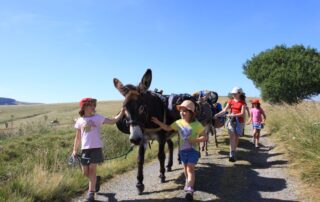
(189,156)
(257,125)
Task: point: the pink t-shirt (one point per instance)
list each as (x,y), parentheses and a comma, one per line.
(90,131)
(256,115)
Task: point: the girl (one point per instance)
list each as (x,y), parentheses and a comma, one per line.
(236,124)
(88,134)
(257,118)
(191,132)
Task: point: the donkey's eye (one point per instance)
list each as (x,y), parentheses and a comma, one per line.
(141,109)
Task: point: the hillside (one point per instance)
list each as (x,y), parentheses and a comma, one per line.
(10,101)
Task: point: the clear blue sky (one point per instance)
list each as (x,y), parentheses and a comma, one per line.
(63,50)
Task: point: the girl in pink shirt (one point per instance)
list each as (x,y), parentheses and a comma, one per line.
(257,118)
(88,135)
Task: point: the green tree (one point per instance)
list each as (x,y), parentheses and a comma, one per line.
(285,74)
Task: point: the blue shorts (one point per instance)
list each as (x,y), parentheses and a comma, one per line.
(257,125)
(189,156)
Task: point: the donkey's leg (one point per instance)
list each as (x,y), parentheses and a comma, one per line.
(215,136)
(170,161)
(162,158)
(207,148)
(203,144)
(140,185)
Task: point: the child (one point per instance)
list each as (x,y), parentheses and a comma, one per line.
(236,124)
(88,134)
(191,132)
(257,118)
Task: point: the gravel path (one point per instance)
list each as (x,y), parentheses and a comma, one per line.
(258,175)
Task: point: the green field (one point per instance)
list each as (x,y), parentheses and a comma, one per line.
(34,154)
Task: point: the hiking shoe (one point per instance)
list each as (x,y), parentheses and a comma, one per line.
(189,196)
(232,159)
(98,183)
(90,197)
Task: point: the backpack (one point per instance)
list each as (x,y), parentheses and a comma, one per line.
(219,122)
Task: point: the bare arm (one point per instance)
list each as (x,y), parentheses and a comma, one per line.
(250,119)
(77,141)
(115,119)
(222,112)
(162,125)
(264,117)
(202,138)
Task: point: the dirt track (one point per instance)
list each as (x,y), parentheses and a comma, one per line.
(258,175)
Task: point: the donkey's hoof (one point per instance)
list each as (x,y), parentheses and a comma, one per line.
(140,188)
(162,178)
(169,169)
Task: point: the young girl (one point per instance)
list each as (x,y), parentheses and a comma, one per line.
(191,132)
(88,134)
(237,108)
(257,118)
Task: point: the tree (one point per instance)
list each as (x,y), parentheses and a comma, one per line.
(285,74)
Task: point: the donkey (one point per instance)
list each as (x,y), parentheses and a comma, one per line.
(140,105)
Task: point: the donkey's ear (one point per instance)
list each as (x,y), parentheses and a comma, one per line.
(119,86)
(145,81)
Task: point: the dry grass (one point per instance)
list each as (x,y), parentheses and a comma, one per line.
(297,129)
(34,159)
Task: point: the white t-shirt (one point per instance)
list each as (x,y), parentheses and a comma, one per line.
(90,131)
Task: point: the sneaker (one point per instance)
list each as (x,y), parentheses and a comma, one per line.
(189,196)
(232,159)
(90,197)
(98,183)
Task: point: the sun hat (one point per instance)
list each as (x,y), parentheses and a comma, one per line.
(236,90)
(187,104)
(255,101)
(83,101)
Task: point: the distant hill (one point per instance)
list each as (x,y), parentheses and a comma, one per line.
(10,101)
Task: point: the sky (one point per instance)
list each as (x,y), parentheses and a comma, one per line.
(57,51)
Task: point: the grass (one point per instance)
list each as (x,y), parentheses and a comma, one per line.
(298,129)
(35,166)
(34,158)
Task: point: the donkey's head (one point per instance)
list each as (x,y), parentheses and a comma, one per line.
(135,104)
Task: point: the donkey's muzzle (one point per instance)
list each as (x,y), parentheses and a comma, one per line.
(136,141)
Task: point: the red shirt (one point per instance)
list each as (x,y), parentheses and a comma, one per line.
(236,106)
